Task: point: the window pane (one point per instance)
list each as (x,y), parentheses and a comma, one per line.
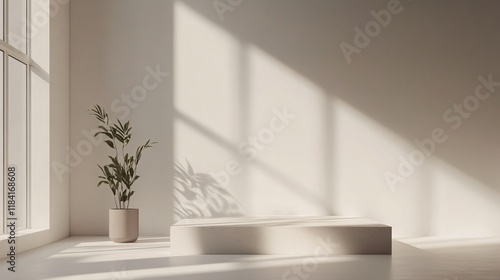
(17,24)
(17,132)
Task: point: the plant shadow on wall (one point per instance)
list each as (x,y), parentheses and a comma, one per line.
(199,195)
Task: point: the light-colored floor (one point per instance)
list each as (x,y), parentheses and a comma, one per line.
(149,258)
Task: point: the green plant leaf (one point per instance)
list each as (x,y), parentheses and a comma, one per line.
(102,182)
(121,171)
(124,197)
(110,143)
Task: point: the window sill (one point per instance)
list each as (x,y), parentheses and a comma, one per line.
(23,232)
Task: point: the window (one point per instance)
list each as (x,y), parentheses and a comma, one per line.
(24,81)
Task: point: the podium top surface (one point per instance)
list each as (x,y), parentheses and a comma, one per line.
(277,221)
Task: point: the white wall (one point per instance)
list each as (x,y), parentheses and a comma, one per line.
(114,46)
(352,120)
(59,116)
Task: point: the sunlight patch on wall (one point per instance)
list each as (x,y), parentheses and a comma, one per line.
(205,71)
(236,103)
(434,199)
(364,151)
(192,143)
(207,112)
(290,165)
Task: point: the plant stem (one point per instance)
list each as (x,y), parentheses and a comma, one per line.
(114,200)
(123,152)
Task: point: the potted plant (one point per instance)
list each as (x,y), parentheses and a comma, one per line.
(120,174)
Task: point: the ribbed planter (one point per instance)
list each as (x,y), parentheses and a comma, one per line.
(123,225)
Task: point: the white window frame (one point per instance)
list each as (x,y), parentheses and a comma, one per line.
(31,66)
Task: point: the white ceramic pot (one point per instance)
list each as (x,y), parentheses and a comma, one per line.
(123,225)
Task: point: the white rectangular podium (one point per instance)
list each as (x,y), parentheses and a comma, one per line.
(318,236)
